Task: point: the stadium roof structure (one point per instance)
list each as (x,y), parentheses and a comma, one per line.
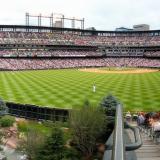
(40,28)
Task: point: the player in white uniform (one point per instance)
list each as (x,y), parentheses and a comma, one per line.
(94,88)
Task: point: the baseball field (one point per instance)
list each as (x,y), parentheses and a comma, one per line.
(69,88)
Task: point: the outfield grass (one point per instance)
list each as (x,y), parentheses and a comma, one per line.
(69,88)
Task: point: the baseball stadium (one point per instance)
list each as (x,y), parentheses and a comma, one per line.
(57,67)
(49,74)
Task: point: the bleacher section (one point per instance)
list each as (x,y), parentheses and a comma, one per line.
(67,38)
(33,47)
(46,63)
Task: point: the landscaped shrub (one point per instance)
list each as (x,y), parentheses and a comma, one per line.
(109,104)
(71,154)
(39,146)
(31,142)
(7,121)
(22,126)
(25,125)
(53,148)
(59,123)
(87,125)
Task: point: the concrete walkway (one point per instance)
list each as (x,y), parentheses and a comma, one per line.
(149,149)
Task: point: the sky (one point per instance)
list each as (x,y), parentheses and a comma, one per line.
(101,14)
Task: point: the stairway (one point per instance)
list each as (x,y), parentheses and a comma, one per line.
(149,150)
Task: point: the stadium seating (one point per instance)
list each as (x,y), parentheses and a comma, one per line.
(152,54)
(22,50)
(57,38)
(30,63)
(43,53)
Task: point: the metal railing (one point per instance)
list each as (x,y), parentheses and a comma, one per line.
(116,147)
(118,152)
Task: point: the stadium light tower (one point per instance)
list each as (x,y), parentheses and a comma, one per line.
(51,18)
(27,19)
(39,18)
(73,22)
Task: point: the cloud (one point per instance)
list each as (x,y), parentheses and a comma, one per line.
(102,14)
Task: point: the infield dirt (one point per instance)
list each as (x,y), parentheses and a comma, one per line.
(96,70)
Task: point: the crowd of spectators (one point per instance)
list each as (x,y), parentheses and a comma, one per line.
(151,119)
(148,122)
(66,38)
(34,63)
(152,54)
(45,53)
(73,53)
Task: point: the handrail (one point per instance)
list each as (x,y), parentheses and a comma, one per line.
(138,140)
(115,146)
(128,147)
(118,152)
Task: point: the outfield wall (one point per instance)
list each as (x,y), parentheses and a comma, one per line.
(37,113)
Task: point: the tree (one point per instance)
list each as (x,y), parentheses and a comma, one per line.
(30,143)
(87,125)
(53,148)
(109,103)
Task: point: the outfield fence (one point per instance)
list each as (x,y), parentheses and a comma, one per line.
(36,112)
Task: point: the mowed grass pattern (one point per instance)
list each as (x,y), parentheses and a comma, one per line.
(69,88)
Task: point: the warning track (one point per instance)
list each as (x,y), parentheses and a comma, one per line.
(121,71)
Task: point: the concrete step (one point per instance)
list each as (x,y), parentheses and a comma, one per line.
(151,158)
(149,150)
